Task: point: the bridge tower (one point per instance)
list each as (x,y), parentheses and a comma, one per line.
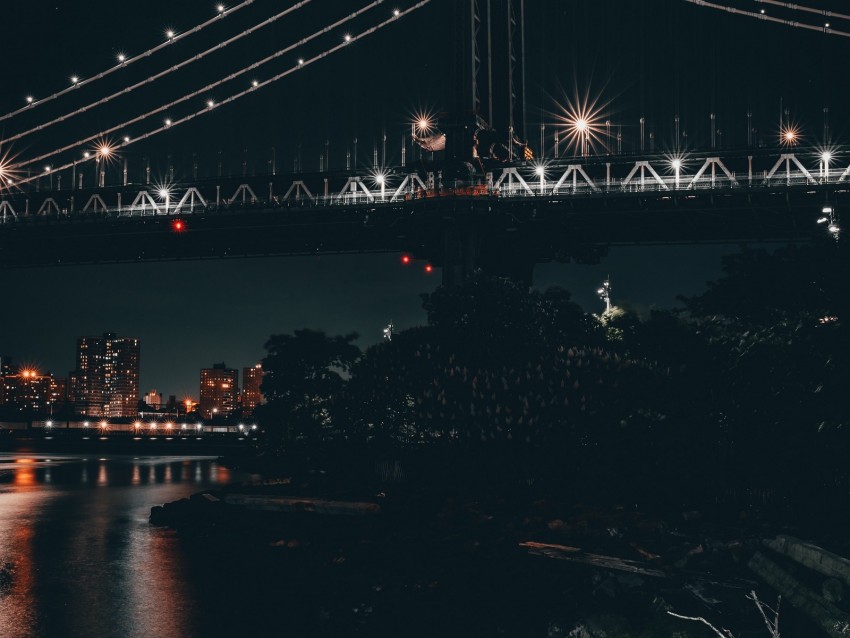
(488,76)
(488,92)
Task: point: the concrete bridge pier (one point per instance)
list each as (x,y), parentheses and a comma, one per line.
(461,246)
(467,249)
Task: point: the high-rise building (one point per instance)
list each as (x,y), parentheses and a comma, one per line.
(59,395)
(154,399)
(7,366)
(106,381)
(219,391)
(251,395)
(27,390)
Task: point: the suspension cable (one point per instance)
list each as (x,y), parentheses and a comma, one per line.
(761,16)
(128,61)
(796,7)
(206,88)
(161,74)
(397,15)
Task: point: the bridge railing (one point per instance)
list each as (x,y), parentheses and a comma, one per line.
(523,181)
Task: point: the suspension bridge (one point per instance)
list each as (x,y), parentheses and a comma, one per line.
(483,199)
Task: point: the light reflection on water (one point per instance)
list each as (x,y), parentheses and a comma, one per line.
(82,557)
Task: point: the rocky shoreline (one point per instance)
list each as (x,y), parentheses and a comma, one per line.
(402,561)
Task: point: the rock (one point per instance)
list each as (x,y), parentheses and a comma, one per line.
(608,587)
(834,622)
(812,556)
(556,629)
(832,590)
(557,524)
(157,517)
(629,581)
(602,626)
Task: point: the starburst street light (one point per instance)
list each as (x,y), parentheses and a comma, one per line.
(540,172)
(421,125)
(164,192)
(677,163)
(826,156)
(605,294)
(789,135)
(379,179)
(9,174)
(582,118)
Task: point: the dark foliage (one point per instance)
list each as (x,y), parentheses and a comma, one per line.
(304,372)
(745,387)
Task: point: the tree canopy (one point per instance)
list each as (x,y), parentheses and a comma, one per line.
(303,373)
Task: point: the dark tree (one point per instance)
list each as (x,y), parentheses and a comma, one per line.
(485,311)
(304,372)
(777,332)
(761,287)
(499,320)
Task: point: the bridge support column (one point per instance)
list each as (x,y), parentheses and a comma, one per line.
(460,255)
(508,255)
(466,250)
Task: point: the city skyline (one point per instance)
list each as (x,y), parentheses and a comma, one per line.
(104,385)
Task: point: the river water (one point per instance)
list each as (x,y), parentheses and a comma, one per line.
(78,557)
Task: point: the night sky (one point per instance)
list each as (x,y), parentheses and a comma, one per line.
(651,58)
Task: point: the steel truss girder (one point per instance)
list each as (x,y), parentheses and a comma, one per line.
(244,190)
(511,173)
(644,167)
(49,205)
(787,159)
(297,189)
(574,171)
(93,202)
(713,163)
(141,200)
(190,195)
(410,182)
(7,209)
(351,189)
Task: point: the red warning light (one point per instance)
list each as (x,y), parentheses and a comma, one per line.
(178,225)
(429,268)
(405,259)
